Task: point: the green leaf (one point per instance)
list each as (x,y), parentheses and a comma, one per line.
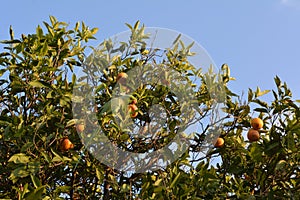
(94,30)
(50,29)
(44,49)
(57,157)
(73,79)
(10,41)
(39,31)
(2,71)
(11,32)
(261,93)
(19,158)
(27,146)
(275,95)
(71,122)
(36,182)
(290,141)
(62,189)
(177,38)
(50,94)
(19,172)
(255,152)
(277,81)
(33,167)
(66,159)
(2,54)
(175,180)
(24,171)
(40,84)
(36,194)
(77,26)
(136,25)
(250,95)
(263,110)
(46,156)
(129,26)
(53,20)
(158,189)
(261,103)
(99,174)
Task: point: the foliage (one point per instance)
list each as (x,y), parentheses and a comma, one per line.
(37,82)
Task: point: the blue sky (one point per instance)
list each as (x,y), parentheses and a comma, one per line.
(257,39)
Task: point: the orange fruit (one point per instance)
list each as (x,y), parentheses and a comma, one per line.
(79,128)
(121,78)
(66,144)
(134,101)
(133,110)
(248,178)
(95,109)
(257,123)
(253,135)
(219,142)
(165,82)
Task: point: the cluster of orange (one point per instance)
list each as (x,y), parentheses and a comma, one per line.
(252,135)
(132,108)
(65,144)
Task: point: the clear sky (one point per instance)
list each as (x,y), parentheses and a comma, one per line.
(258,39)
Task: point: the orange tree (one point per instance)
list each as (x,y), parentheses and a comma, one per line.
(42,155)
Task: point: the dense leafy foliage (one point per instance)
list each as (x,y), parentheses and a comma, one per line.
(37,82)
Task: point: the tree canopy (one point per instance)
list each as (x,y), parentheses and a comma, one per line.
(46,149)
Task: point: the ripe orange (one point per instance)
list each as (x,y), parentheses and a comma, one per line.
(121,78)
(248,178)
(95,108)
(79,128)
(133,110)
(66,144)
(257,123)
(134,101)
(219,142)
(253,135)
(165,82)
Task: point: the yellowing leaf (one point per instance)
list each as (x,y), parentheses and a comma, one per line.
(19,158)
